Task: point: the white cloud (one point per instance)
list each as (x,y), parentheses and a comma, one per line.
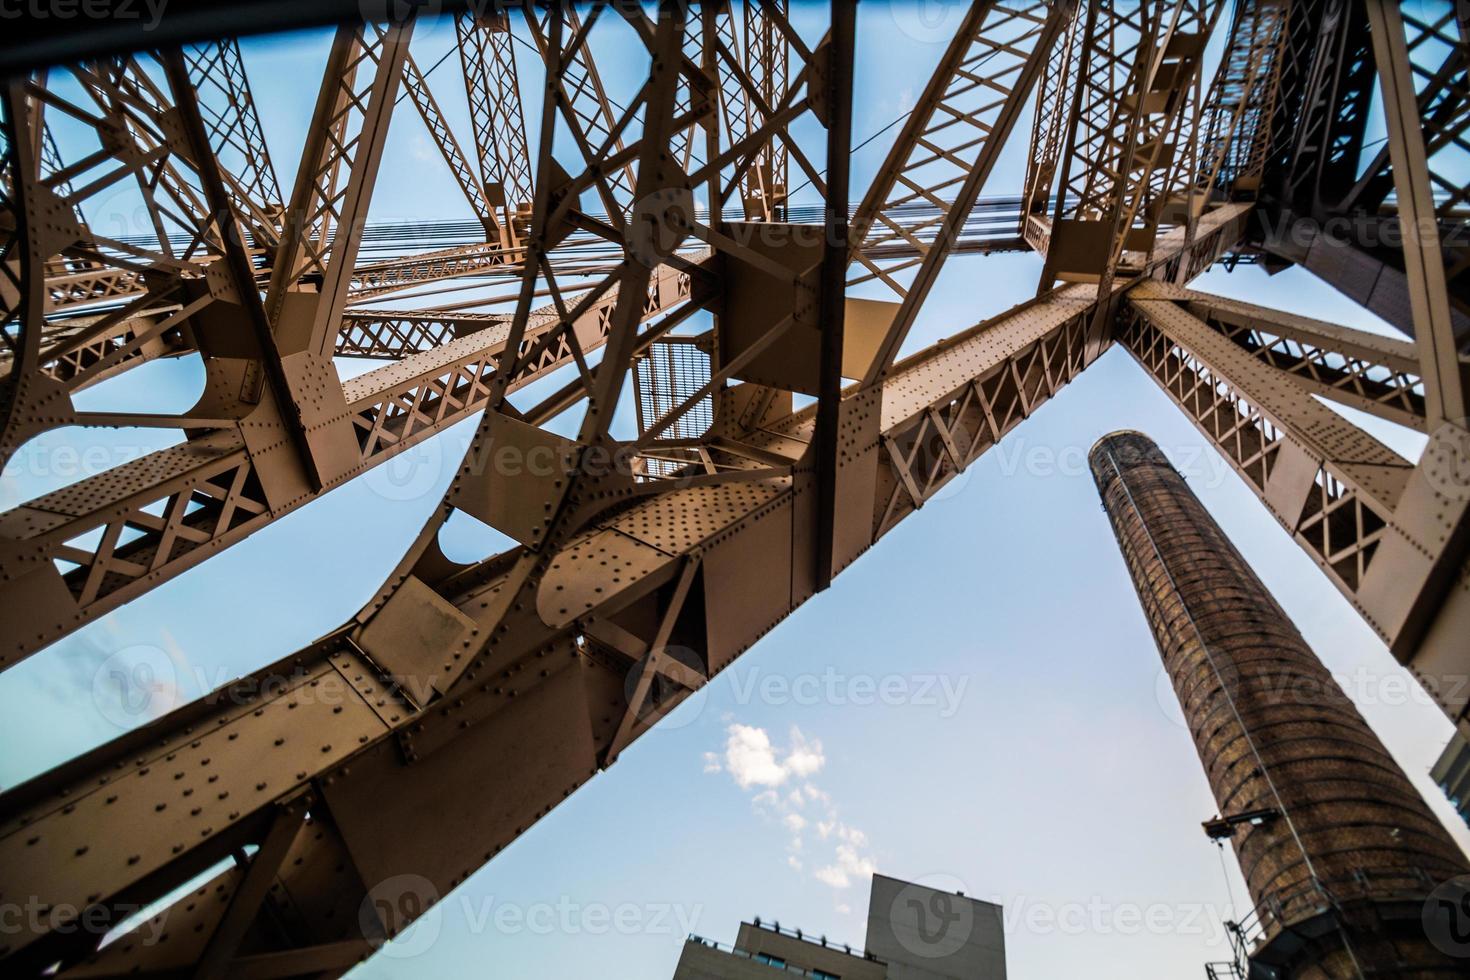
(849,864)
(832,875)
(752,759)
(857,864)
(765,799)
(420,148)
(759,765)
(805,757)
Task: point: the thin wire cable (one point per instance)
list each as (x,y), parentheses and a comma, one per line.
(429,71)
(823,171)
(1225,873)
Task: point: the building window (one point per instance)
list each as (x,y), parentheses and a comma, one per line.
(824,975)
(770,960)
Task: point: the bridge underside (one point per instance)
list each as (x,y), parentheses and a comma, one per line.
(648,253)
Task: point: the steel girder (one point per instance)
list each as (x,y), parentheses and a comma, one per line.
(417,88)
(235,136)
(1136,68)
(90,547)
(1369,372)
(1235,130)
(487,55)
(946,150)
(1332,200)
(427,706)
(767,50)
(631,584)
(1388,532)
(508,349)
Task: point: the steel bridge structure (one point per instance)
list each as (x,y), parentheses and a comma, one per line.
(655,253)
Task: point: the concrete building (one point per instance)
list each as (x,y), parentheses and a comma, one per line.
(914,933)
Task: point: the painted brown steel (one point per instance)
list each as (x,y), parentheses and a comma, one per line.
(832,274)
(1387,531)
(454,676)
(166,512)
(1376,374)
(417,89)
(488,59)
(1446,376)
(447,689)
(1340,865)
(949,145)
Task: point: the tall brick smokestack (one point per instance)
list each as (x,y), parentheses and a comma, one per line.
(1338,849)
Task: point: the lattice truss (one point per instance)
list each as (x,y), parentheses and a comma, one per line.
(487,57)
(1130,136)
(1335,170)
(657,268)
(919,196)
(1440,71)
(1235,123)
(1048,129)
(1255,419)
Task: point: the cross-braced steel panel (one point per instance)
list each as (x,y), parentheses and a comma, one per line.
(703,179)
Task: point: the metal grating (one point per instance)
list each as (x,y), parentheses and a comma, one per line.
(669,374)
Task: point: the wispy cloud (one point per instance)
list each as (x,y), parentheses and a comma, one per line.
(849,864)
(751,759)
(804,810)
(421,149)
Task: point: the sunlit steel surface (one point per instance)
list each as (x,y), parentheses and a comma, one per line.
(376,769)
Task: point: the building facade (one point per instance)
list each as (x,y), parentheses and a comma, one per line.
(1452,773)
(914,933)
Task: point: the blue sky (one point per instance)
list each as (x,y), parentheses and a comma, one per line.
(1025,749)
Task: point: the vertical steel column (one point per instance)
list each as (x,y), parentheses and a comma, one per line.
(1337,848)
(833,280)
